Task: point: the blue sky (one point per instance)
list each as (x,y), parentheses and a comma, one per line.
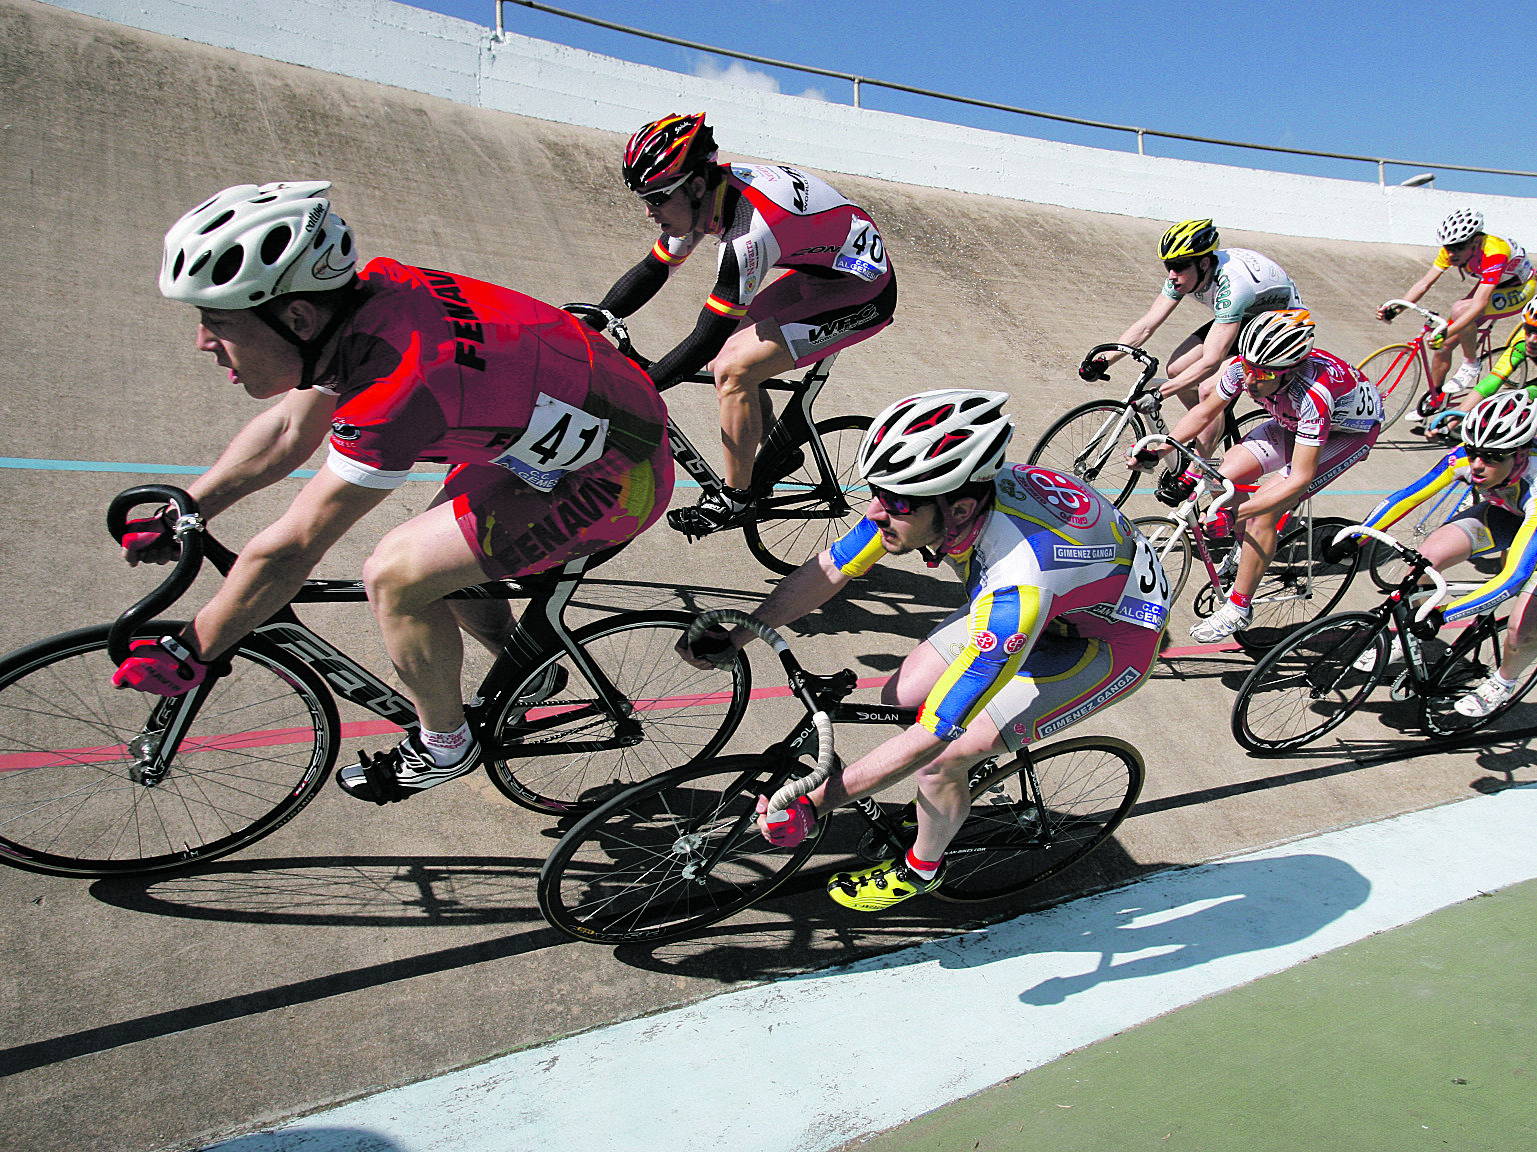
(1409,80)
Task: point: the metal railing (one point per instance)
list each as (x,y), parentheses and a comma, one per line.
(859,81)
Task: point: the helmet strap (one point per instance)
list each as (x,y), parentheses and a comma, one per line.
(310,351)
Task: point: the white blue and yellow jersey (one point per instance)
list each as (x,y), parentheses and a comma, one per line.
(1514,532)
(1051,552)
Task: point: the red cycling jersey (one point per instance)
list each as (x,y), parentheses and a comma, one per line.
(1320,395)
(439,367)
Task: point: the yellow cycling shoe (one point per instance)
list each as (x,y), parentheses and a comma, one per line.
(880,886)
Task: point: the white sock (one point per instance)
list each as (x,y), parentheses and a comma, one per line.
(446,747)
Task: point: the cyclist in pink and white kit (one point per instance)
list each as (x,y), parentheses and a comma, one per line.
(839,288)
(559,446)
(1325,417)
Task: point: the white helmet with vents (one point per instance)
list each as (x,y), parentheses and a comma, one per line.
(933,443)
(248,244)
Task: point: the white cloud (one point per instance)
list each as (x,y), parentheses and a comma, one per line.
(738,74)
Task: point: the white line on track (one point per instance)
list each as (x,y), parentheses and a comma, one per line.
(808,1063)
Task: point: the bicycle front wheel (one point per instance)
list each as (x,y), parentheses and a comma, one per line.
(1172,547)
(1398,373)
(1473,655)
(668,857)
(1309,684)
(1040,813)
(1091,443)
(807,510)
(85,791)
(1299,585)
(557,749)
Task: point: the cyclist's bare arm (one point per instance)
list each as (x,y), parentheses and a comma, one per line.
(272,445)
(1214,351)
(1197,418)
(275,564)
(1142,331)
(1413,296)
(1286,493)
(803,591)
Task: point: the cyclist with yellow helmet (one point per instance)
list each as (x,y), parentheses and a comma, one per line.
(1235,283)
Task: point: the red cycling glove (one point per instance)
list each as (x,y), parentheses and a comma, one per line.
(145,533)
(165,667)
(794,824)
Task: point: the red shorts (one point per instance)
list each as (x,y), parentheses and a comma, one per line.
(819,316)
(515,530)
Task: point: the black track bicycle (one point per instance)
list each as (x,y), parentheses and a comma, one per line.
(1321,673)
(806,489)
(97,781)
(677,853)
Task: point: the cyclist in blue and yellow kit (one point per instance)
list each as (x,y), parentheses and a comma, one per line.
(1066,605)
(1496,458)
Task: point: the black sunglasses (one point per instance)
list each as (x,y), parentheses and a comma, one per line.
(895,503)
(1488,455)
(1179,265)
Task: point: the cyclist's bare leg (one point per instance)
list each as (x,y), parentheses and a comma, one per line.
(1441,358)
(1259,532)
(755,353)
(409,573)
(1520,637)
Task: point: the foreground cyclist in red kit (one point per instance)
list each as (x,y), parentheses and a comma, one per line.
(840,287)
(557,440)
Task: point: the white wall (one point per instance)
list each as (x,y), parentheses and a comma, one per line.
(422,51)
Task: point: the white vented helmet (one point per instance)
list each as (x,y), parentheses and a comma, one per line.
(248,244)
(1462,224)
(1505,420)
(1278,339)
(935,442)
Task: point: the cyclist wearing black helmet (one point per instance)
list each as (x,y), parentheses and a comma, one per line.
(839,288)
(1235,283)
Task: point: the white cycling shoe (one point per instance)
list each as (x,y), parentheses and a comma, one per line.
(1484,699)
(1221,624)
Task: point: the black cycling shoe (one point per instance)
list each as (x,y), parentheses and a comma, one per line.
(403,771)
(714,513)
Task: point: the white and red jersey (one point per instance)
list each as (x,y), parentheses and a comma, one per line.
(1323,394)
(439,367)
(771,216)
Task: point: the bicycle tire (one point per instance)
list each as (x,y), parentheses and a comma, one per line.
(1078,444)
(795,527)
(1088,785)
(629,872)
(1307,685)
(263,740)
(1299,585)
(685,714)
(1179,558)
(1384,563)
(1473,655)
(1398,373)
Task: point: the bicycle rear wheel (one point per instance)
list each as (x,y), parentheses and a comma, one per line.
(1473,656)
(564,753)
(1398,373)
(1091,443)
(1299,585)
(668,857)
(74,796)
(1309,684)
(1018,835)
(807,511)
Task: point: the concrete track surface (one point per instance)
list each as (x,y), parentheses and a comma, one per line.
(360,948)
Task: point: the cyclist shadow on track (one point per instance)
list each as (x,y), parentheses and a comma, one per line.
(353,1139)
(1219,911)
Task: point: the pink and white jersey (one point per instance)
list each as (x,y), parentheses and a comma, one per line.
(1320,395)
(770,216)
(442,368)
